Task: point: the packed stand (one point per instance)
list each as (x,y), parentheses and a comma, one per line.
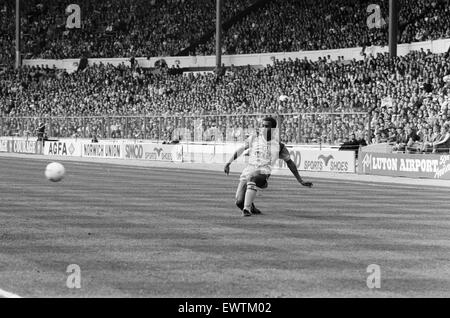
(400,94)
(113,28)
(141,28)
(297,25)
(7,40)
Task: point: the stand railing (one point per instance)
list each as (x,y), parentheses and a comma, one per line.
(301,128)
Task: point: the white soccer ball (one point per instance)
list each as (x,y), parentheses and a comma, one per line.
(446,79)
(283,98)
(55,172)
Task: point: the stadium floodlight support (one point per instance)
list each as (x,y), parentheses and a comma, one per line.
(218,35)
(393,27)
(18,31)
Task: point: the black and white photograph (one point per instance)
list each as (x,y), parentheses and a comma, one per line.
(224,154)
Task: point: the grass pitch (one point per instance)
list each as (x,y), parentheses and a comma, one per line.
(153,232)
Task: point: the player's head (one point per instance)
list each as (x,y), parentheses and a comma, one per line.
(268,124)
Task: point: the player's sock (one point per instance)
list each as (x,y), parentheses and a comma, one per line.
(250,195)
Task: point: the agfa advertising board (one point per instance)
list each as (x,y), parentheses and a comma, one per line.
(66,148)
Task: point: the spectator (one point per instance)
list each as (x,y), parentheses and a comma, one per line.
(425,136)
(391,135)
(383,137)
(414,144)
(434,138)
(351,143)
(401,141)
(443,145)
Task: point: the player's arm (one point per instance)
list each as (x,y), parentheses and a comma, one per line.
(284,155)
(293,167)
(236,155)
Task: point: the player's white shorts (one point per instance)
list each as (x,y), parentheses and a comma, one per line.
(254,171)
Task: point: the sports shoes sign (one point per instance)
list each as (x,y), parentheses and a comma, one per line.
(321,160)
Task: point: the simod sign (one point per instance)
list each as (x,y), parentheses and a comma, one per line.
(153,152)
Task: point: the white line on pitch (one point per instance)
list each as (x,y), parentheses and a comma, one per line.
(6,294)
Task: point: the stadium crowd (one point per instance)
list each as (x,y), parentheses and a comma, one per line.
(401,94)
(293,25)
(406,97)
(141,28)
(113,28)
(7,28)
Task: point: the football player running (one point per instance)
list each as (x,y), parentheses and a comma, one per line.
(264,150)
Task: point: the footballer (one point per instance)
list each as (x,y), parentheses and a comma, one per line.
(264,150)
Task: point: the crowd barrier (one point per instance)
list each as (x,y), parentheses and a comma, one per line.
(293,128)
(305,158)
(432,166)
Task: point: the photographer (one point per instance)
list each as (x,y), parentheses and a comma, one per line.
(41,132)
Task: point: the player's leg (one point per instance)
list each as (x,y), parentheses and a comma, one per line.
(250,196)
(240,198)
(240,194)
(256,181)
(242,190)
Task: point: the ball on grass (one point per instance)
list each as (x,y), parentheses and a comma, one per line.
(55,172)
